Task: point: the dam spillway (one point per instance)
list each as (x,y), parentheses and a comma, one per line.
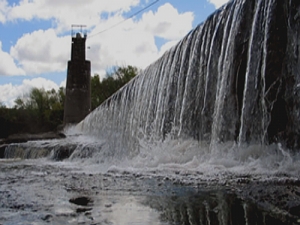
(233,78)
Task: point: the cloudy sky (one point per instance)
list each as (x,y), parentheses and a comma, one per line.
(35,36)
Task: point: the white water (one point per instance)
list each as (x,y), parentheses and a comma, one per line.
(181,159)
(186,160)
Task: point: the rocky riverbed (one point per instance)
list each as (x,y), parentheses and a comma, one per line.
(44,192)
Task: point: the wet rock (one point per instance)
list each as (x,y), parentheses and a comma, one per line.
(108,205)
(83,201)
(63,152)
(81,210)
(21,138)
(37,149)
(2,150)
(47,217)
(294,208)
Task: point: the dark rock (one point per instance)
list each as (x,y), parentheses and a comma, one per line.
(63,152)
(2,150)
(62,135)
(108,205)
(21,138)
(294,208)
(83,201)
(47,217)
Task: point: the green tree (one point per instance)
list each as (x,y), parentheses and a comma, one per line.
(19,103)
(101,90)
(96,95)
(39,100)
(43,109)
(55,111)
(125,74)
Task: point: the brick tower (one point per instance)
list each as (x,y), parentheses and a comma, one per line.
(78,88)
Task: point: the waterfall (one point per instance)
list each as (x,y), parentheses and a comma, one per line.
(207,134)
(234,78)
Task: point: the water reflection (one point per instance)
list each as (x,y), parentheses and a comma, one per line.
(212,208)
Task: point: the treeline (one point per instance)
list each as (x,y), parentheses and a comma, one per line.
(42,111)
(35,112)
(113,81)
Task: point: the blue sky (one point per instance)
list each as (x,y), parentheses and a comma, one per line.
(35,39)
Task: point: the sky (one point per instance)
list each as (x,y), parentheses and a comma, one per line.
(35,37)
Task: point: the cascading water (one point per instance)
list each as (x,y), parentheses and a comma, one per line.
(226,96)
(235,78)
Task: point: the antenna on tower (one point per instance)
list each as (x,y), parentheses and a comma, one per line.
(78,29)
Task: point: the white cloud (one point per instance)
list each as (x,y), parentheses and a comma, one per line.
(42,51)
(67,12)
(167,23)
(218,3)
(133,43)
(7,64)
(10,92)
(130,43)
(3,9)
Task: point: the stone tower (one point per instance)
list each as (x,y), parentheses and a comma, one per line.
(78,88)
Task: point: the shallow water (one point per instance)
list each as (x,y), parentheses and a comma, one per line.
(40,191)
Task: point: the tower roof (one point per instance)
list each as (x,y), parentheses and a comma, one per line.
(78,31)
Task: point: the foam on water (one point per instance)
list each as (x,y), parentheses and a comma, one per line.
(186,160)
(183,160)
